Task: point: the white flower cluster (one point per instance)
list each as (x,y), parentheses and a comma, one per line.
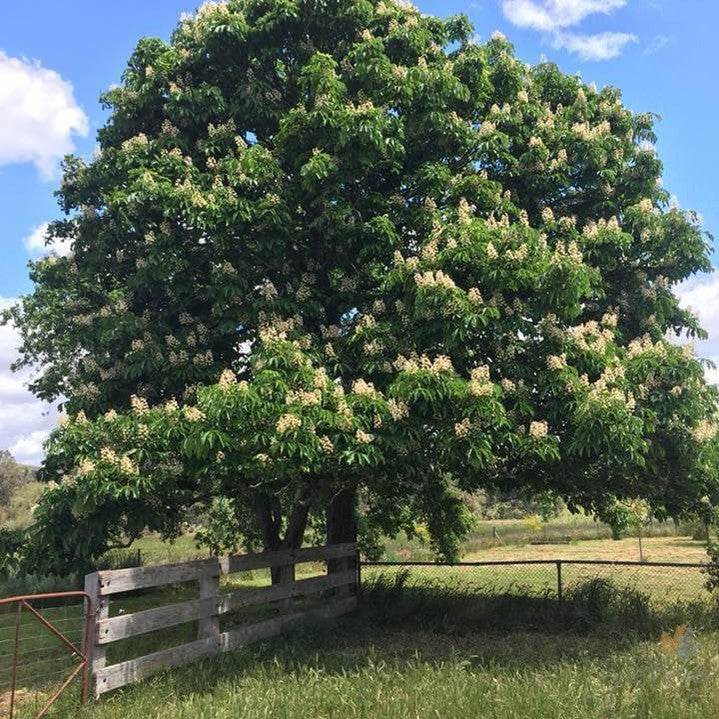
(440,364)
(397,409)
(268,291)
(304,398)
(480,384)
(330,332)
(363,437)
(362,387)
(373,348)
(538,429)
(591,337)
(125,464)
(508,385)
(139,141)
(463,428)
(271,335)
(438,278)
(588,133)
(519,254)
(204,358)
(560,160)
(429,251)
(320,379)
(171,406)
(646,346)
(591,229)
(601,396)
(193,414)
(704,431)
(227,379)
(557,362)
(569,250)
(86,466)
(475,296)
(288,423)
(487,128)
(139,405)
(609,319)
(465,212)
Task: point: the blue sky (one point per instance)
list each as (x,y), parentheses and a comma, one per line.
(57,57)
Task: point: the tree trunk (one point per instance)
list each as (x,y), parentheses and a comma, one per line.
(269,518)
(341,522)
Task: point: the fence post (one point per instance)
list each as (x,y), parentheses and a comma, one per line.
(96,653)
(358,570)
(287,579)
(209,626)
(559,580)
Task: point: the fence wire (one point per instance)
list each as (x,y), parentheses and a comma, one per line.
(660,582)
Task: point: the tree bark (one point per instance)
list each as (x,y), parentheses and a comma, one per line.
(341,524)
(269,519)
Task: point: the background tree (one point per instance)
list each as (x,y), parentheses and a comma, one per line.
(483,243)
(12,476)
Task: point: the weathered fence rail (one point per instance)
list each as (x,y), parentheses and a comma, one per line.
(211,604)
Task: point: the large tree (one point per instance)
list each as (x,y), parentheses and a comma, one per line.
(419,265)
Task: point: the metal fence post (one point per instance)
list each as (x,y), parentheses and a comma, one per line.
(559,580)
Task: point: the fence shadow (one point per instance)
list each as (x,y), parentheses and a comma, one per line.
(595,607)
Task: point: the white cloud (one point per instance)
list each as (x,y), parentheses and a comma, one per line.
(701,295)
(658,43)
(35,243)
(29,449)
(39,116)
(553,17)
(25,421)
(602,46)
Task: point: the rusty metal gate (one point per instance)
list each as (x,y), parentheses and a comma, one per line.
(44,651)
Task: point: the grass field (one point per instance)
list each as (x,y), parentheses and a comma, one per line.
(435,642)
(655,549)
(532,534)
(413,652)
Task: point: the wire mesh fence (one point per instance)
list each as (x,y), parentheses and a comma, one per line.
(661,582)
(43,640)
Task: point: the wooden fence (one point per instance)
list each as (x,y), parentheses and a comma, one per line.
(211,604)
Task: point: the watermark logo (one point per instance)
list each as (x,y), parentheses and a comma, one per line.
(682,644)
(672,663)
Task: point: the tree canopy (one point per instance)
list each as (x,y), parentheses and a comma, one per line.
(338,252)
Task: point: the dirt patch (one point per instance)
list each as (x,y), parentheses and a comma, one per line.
(21,697)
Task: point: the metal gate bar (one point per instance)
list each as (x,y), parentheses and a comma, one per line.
(24,603)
